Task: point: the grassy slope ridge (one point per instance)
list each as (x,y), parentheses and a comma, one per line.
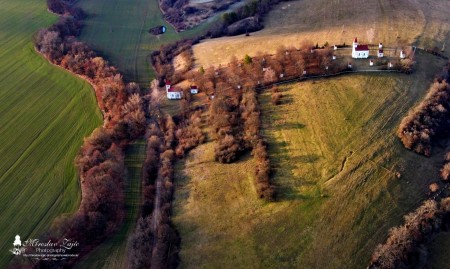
(113,252)
(335,154)
(424,23)
(44,114)
(119,30)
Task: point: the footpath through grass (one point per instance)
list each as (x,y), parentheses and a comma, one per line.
(112,254)
(335,157)
(119,30)
(45,113)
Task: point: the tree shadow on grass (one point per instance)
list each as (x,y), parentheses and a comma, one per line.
(283,165)
(292,126)
(286,99)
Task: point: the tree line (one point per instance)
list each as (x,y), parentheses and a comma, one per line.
(100,161)
(406,245)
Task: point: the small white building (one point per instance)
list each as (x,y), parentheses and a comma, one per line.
(349,65)
(371,63)
(335,47)
(334,57)
(172,92)
(380,50)
(402,54)
(194,89)
(359,51)
(390,65)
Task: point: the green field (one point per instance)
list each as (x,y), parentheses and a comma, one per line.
(44,114)
(112,254)
(119,29)
(335,157)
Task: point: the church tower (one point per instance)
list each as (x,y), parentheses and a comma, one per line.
(355,45)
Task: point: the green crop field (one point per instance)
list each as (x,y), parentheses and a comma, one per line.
(44,114)
(335,158)
(113,252)
(119,29)
(395,23)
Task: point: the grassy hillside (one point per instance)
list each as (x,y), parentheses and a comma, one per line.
(113,252)
(335,156)
(119,29)
(440,248)
(424,23)
(44,114)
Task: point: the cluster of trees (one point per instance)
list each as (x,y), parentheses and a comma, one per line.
(428,120)
(100,161)
(189,133)
(445,170)
(65,7)
(179,12)
(162,60)
(405,246)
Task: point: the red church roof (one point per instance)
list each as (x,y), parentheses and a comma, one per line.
(356,40)
(173,89)
(362,47)
(167,82)
(194,87)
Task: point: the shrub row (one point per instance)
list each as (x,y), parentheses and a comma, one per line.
(250,114)
(428,120)
(405,246)
(235,124)
(155,242)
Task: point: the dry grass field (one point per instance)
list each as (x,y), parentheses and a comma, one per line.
(395,23)
(335,157)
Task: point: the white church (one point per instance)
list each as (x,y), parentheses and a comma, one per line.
(172,92)
(359,51)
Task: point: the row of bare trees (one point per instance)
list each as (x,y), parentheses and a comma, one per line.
(155,242)
(427,120)
(100,161)
(405,246)
(235,122)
